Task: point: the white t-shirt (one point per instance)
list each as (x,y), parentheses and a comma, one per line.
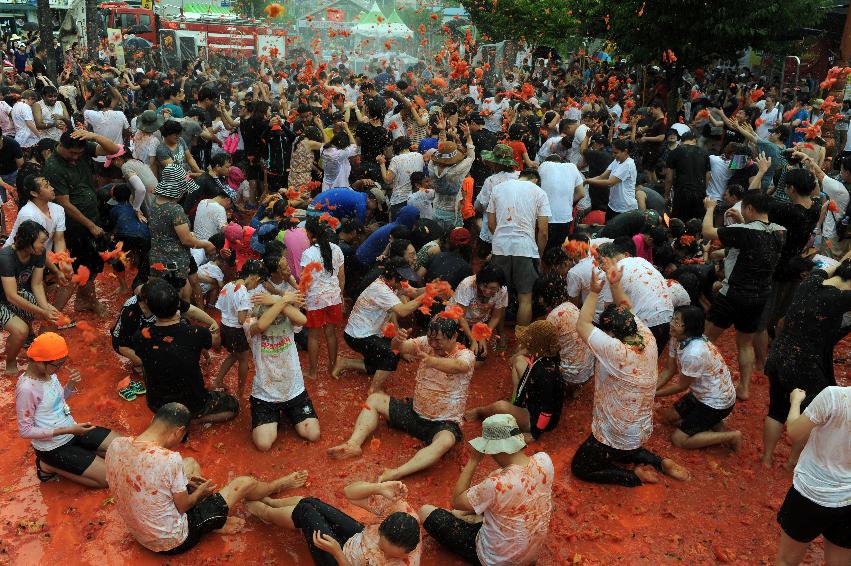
(423,200)
(622,195)
(559,181)
(484,198)
(210,269)
(475,311)
(402,166)
(720,175)
(324,290)
(579,284)
(233,298)
(54,223)
(493,113)
(576,360)
(769,120)
(647,290)
(517,205)
(516,503)
(823,473)
(277,371)
(624,389)
(337,166)
(680,128)
(21,114)
(143,479)
(616,111)
(547,148)
(109,124)
(837,193)
(210,218)
(679,295)
(700,360)
(372,310)
(441,396)
(575,156)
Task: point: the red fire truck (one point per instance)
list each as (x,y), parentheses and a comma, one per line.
(186,35)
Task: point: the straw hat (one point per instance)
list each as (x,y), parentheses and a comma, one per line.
(539,338)
(500,435)
(447,154)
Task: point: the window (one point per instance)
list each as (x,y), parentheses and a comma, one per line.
(145,20)
(128,20)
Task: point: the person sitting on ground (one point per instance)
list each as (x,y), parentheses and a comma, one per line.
(364,331)
(484,298)
(333,537)
(624,392)
(22,295)
(435,412)
(539,391)
(819,500)
(163,499)
(62,446)
(514,502)
(699,414)
(170,352)
(129,228)
(278,385)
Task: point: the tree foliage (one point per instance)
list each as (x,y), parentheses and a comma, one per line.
(540,22)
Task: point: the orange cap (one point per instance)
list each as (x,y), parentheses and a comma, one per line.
(48,347)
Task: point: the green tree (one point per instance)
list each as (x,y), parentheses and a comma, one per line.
(540,22)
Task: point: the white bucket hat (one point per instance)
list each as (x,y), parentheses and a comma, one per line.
(500,435)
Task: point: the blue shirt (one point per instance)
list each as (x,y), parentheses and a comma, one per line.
(347,203)
(176,111)
(127,224)
(798,136)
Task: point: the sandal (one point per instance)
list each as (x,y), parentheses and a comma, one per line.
(138,387)
(41,474)
(68,326)
(128,393)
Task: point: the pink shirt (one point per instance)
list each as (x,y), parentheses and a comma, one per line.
(641,248)
(297,241)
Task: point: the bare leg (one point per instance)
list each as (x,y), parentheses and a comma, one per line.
(251,489)
(674,470)
(191,467)
(836,555)
(279,516)
(242,371)
(377,383)
(264,436)
(346,364)
(670,416)
(330,331)
(771,432)
(746,357)
(94,476)
(379,404)
(760,344)
(104,446)
(217,417)
(426,457)
(308,429)
(18,332)
(227,363)
(713,332)
(791,552)
(520,414)
(313,335)
(62,296)
(707,438)
(524,308)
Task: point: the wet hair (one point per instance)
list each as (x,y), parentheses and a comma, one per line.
(398,247)
(618,320)
(315,229)
(30,185)
(121,192)
(400,232)
(490,273)
(400,144)
(677,227)
(448,327)
(690,282)
(374,108)
(339,141)
(174,415)
(253,267)
(693,320)
(220,159)
(622,145)
(161,297)
(259,110)
(843,271)
(69,142)
(391,267)
(170,128)
(350,225)
(802,181)
(758,201)
(550,290)
(271,261)
(554,256)
(49,91)
(28,233)
(736,190)
(515,132)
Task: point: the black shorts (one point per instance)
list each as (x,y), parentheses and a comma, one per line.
(520,272)
(403,417)
(742,313)
(218,402)
(483,248)
(557,233)
(457,535)
(76,456)
(8,311)
(83,247)
(376,351)
(207,516)
(298,409)
(803,520)
(233,339)
(698,417)
(778,393)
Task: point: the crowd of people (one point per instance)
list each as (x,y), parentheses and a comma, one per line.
(429,215)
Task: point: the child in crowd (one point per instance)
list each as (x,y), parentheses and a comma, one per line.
(212,275)
(422,197)
(131,228)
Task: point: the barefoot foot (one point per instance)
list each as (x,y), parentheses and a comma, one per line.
(742,393)
(232,526)
(767,461)
(387,475)
(674,470)
(12,369)
(646,474)
(471,416)
(344,451)
(736,442)
(293,480)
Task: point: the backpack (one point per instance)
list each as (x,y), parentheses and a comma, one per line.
(231,142)
(445,185)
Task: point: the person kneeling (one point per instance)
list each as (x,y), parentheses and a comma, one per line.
(440,394)
(712,396)
(333,537)
(62,446)
(540,391)
(162,497)
(278,381)
(514,503)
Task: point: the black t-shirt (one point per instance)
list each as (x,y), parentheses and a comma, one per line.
(654,148)
(448,266)
(597,161)
(11,266)
(10,152)
(753,250)
(131,320)
(484,140)
(541,390)
(251,130)
(171,364)
(39,68)
(373,141)
(689,164)
(743,176)
(799,223)
(626,224)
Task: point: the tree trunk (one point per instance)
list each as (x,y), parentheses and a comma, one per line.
(92,29)
(45,36)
